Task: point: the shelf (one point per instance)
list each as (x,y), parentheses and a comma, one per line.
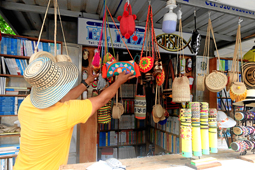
(14,56)
(7,156)
(224,98)
(122,145)
(8,135)
(7,115)
(164,131)
(9,75)
(4,95)
(122,130)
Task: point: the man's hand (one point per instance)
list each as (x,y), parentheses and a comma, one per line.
(91,77)
(123,77)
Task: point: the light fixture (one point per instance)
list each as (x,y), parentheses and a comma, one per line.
(170,18)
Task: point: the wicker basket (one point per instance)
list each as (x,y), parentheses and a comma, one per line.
(181,90)
(200,82)
(216,81)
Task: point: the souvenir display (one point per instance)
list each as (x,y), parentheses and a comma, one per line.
(242,145)
(185,118)
(204,127)
(195,122)
(213,130)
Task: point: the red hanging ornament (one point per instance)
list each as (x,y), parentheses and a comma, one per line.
(127,22)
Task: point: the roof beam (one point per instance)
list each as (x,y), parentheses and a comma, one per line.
(38,9)
(218,7)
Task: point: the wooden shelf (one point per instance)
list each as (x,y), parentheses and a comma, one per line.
(8,135)
(224,98)
(7,115)
(9,75)
(14,56)
(4,95)
(122,145)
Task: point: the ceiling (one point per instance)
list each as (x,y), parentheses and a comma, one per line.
(26,16)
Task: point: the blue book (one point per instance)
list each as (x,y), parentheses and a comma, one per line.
(178,144)
(17,146)
(19,66)
(226,65)
(9,45)
(45,47)
(7,153)
(109,138)
(40,46)
(12,46)
(4,45)
(23,64)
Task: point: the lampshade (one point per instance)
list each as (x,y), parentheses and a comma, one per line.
(170,18)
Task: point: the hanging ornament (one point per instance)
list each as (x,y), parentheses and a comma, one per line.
(170,18)
(127,22)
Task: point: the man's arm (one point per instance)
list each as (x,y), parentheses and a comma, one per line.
(108,93)
(78,90)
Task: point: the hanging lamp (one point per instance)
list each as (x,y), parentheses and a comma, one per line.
(170,18)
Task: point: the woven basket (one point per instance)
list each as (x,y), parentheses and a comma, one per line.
(238,91)
(181,90)
(117,111)
(200,82)
(216,81)
(232,77)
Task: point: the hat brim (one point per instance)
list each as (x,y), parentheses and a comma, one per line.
(44,98)
(228,124)
(241,103)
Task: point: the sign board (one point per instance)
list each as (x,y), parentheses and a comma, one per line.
(89,31)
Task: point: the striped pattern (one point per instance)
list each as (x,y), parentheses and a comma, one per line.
(104,113)
(50,81)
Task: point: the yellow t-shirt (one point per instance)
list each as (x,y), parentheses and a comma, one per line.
(46,133)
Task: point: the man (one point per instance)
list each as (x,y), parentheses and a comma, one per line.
(48,115)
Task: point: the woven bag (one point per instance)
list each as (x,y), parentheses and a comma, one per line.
(215,81)
(140,104)
(238,91)
(200,82)
(181,88)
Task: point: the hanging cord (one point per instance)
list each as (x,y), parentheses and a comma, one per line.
(62,30)
(110,36)
(119,32)
(39,38)
(55,30)
(146,25)
(241,53)
(207,47)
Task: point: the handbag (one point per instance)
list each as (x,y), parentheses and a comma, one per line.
(217,80)
(140,103)
(146,63)
(238,91)
(115,68)
(181,89)
(158,112)
(117,109)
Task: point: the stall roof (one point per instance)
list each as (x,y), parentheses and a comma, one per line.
(25,16)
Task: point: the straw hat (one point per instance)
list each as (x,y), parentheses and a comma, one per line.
(50,81)
(249,72)
(158,113)
(42,54)
(225,121)
(249,99)
(60,58)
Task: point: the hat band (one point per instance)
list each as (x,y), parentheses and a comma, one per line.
(224,120)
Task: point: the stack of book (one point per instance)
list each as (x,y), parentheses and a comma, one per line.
(14,66)
(127,152)
(3,83)
(127,137)
(9,149)
(110,126)
(17,90)
(107,153)
(127,122)
(108,138)
(25,47)
(128,105)
(10,105)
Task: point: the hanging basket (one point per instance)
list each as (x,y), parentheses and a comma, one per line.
(181,90)
(216,81)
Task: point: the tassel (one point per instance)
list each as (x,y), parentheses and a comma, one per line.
(96,60)
(101,82)
(104,71)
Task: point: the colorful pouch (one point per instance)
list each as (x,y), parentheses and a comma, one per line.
(146,64)
(114,68)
